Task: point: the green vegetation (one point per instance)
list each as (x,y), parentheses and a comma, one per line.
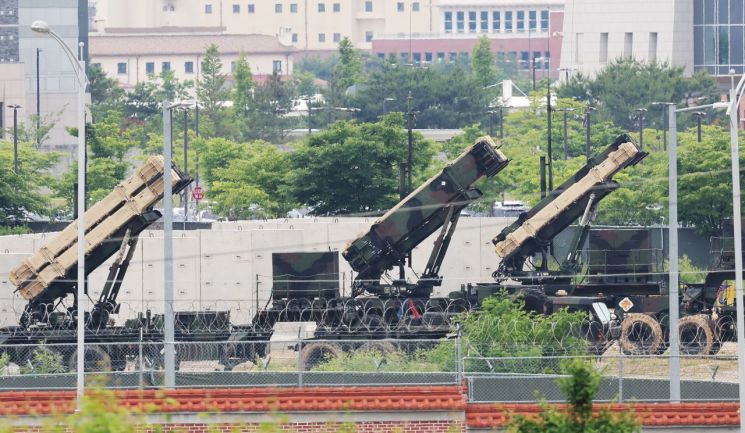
(45,361)
(580,388)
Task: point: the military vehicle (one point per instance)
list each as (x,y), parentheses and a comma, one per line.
(48,278)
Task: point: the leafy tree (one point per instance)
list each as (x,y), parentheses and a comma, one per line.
(243,87)
(580,387)
(272,102)
(319,67)
(212,93)
(352,168)
(483,62)
(252,185)
(348,70)
(45,361)
(104,90)
(21,194)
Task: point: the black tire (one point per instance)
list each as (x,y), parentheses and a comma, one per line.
(641,334)
(696,335)
(315,353)
(96,359)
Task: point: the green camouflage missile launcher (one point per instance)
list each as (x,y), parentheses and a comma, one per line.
(435,204)
(305,275)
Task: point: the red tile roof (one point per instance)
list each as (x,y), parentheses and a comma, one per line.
(396,398)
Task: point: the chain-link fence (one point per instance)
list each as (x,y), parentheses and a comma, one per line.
(234,364)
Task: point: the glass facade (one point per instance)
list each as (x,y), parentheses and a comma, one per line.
(491,21)
(718,36)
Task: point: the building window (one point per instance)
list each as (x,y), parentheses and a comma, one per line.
(321,7)
(452,56)
(603,55)
(337,37)
(251,8)
(293,8)
(405,58)
(428,57)
(472,21)
(337,7)
(544,20)
(381,56)
(441,56)
(236,9)
(484,21)
(165,66)
(121,68)
(368,6)
(415,7)
(524,59)
(520,21)
(189,67)
(150,68)
(508,21)
(546,61)
(628,45)
(460,21)
(368,36)
(232,66)
(322,37)
(652,54)
(277,66)
(208,8)
(417,58)
(278,8)
(532,20)
(448,22)
(495,22)
(579,45)
(294,38)
(400,6)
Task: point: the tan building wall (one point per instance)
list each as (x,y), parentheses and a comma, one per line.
(298,22)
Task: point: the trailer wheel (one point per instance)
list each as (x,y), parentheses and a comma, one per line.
(96,359)
(313,354)
(696,335)
(641,334)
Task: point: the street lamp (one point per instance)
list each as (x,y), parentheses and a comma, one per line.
(673,288)
(588,149)
(640,116)
(15,108)
(733,112)
(699,115)
(78,64)
(664,122)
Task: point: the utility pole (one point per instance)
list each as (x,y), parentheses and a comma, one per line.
(410,116)
(309,116)
(566,136)
(491,122)
(15,108)
(38,100)
(550,147)
(501,122)
(699,115)
(588,149)
(640,116)
(196,118)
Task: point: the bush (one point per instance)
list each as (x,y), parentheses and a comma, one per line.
(45,361)
(580,389)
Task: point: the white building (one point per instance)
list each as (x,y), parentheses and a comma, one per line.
(131,58)
(597,32)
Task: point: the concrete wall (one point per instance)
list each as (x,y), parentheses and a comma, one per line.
(223,268)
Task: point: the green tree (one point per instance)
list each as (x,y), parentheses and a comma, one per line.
(352,167)
(212,93)
(21,194)
(483,63)
(103,90)
(580,388)
(272,103)
(243,87)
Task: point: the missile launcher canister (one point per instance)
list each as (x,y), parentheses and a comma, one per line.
(535,228)
(51,272)
(421,213)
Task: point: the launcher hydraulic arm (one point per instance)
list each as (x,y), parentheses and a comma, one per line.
(437,203)
(112,225)
(579,196)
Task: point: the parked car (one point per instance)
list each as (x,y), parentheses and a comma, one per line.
(508,208)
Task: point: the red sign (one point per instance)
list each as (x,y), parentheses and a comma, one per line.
(197,194)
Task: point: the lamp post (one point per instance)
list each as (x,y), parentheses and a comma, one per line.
(491,114)
(410,116)
(673,288)
(38,100)
(733,112)
(78,64)
(640,116)
(15,108)
(664,122)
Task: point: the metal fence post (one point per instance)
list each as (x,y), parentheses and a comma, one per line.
(458,357)
(299,361)
(141,362)
(620,377)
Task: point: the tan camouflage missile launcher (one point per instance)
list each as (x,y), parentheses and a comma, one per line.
(114,222)
(435,204)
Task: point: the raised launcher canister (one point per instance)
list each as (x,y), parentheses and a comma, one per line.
(51,272)
(538,226)
(435,203)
